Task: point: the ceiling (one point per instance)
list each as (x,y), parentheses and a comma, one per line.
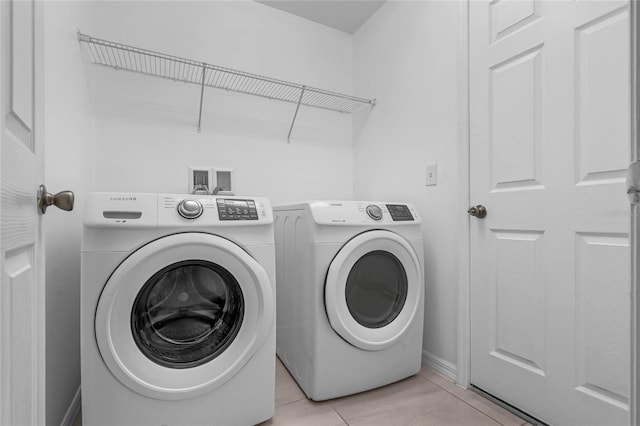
(343,15)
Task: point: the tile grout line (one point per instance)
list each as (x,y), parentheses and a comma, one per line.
(456,396)
(339,415)
(423,377)
(291,402)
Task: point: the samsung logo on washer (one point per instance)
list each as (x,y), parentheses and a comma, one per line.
(122,198)
(335,205)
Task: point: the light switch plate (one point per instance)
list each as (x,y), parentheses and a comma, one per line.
(432,174)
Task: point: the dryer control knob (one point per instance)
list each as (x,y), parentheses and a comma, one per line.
(190,209)
(374,212)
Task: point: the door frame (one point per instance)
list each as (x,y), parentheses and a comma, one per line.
(463,371)
(634,231)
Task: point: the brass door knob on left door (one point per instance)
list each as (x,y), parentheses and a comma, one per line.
(478,211)
(63,200)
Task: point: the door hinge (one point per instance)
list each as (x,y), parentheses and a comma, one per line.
(633,183)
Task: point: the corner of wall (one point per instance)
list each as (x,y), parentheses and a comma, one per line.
(406,56)
(439,365)
(74,411)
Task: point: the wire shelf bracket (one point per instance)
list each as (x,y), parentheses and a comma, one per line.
(143,61)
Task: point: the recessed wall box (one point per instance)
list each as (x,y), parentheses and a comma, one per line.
(223,179)
(200,180)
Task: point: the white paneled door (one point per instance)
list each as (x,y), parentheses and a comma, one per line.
(22,299)
(550,287)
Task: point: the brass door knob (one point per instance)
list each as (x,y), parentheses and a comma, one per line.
(62,200)
(478,211)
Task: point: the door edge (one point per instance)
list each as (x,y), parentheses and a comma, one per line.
(463,368)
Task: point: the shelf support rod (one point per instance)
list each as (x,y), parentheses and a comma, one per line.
(204,71)
(295,114)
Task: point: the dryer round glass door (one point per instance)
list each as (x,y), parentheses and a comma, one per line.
(376,289)
(183,314)
(373,289)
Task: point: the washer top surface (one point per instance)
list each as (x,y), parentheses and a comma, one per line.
(138,211)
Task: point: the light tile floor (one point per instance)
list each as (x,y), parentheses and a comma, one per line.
(421,400)
(425,399)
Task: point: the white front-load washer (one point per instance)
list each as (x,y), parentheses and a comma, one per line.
(350,294)
(178,310)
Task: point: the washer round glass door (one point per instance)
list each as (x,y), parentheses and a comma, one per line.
(183,314)
(187,313)
(373,289)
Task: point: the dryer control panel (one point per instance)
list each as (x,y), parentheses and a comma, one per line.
(363,212)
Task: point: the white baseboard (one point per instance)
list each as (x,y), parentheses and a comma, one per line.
(439,365)
(74,410)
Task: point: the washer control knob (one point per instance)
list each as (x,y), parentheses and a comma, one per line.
(190,209)
(374,212)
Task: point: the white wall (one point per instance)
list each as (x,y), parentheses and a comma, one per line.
(116,131)
(146,126)
(68,154)
(406,56)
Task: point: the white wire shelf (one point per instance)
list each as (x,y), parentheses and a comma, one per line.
(135,59)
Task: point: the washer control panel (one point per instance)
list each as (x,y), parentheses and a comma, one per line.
(141,211)
(235,209)
(374,212)
(190,209)
(208,208)
(399,212)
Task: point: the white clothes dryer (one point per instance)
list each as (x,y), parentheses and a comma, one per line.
(350,294)
(178,310)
